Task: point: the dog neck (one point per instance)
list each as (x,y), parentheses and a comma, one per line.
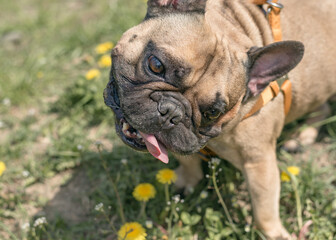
(238,17)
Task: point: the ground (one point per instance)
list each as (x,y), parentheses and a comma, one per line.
(63,157)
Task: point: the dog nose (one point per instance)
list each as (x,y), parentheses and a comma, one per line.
(171,109)
(171,114)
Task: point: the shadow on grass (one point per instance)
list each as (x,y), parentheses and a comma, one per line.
(71,211)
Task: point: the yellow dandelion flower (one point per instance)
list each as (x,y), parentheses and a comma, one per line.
(2,167)
(132,231)
(293,170)
(166,176)
(284,177)
(144,191)
(92,73)
(104,47)
(105,61)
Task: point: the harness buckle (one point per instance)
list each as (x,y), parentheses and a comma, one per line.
(275,4)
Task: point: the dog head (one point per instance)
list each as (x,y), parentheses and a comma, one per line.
(180,78)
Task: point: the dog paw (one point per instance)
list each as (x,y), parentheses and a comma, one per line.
(273,229)
(280,234)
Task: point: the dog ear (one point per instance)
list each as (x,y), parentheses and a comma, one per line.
(159,7)
(271,62)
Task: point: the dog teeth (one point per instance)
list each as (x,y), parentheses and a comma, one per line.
(130,134)
(138,135)
(125,126)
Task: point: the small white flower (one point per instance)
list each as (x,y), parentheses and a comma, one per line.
(79,147)
(207,176)
(25,173)
(2,124)
(176,198)
(25,226)
(182,200)
(204,194)
(40,221)
(215,161)
(177,209)
(124,161)
(168,203)
(199,209)
(6,102)
(99,207)
(149,224)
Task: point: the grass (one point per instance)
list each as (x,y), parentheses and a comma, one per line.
(63,157)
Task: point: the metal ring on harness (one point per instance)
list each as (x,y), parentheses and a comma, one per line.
(274,4)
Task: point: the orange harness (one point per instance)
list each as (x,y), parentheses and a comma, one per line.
(273,89)
(273,15)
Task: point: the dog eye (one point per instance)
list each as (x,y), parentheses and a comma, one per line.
(212,114)
(155,65)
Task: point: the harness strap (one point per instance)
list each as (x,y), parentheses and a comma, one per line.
(286,89)
(267,95)
(206,154)
(271,92)
(273,15)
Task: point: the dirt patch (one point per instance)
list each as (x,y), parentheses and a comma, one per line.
(71,202)
(67,199)
(63,196)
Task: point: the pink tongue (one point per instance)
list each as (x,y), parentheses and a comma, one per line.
(155,148)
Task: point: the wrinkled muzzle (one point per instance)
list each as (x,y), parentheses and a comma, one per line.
(151,117)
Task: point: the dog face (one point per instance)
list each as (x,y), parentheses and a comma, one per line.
(176,81)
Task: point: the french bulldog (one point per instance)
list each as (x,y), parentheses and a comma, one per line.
(186,76)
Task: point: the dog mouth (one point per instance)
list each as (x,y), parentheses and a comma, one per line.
(129,135)
(142,141)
